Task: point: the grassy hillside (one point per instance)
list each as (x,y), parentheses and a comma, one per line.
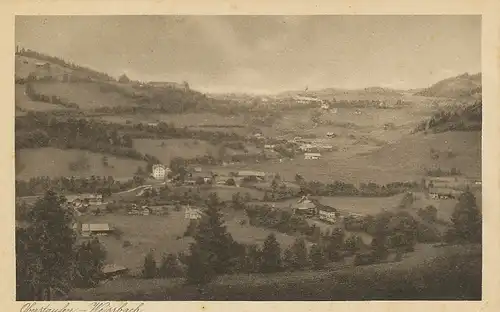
(88,95)
(413,154)
(163,234)
(404,160)
(91,89)
(450,273)
(54,162)
(455,87)
(166,150)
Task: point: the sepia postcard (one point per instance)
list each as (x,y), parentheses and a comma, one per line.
(168,155)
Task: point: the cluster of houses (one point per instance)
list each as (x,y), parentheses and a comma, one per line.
(308,207)
(147,210)
(84,202)
(448,187)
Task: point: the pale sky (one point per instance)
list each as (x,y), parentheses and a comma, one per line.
(264,53)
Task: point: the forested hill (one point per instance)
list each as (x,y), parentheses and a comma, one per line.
(457,118)
(457,87)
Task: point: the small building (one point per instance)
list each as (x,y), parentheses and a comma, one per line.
(328,214)
(112,271)
(193,213)
(160,171)
(256,174)
(199,175)
(145,211)
(443,193)
(269,146)
(312,156)
(331,135)
(157,210)
(305,206)
(42,65)
(84,199)
(96,229)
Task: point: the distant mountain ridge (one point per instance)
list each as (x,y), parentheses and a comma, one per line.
(464,85)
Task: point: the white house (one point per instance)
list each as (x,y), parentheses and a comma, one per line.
(193,213)
(96,229)
(312,156)
(328,214)
(160,171)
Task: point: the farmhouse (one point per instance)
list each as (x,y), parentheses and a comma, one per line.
(145,211)
(255,174)
(42,65)
(198,175)
(312,156)
(327,214)
(92,199)
(112,271)
(443,193)
(305,206)
(160,171)
(193,213)
(96,229)
(307,99)
(307,147)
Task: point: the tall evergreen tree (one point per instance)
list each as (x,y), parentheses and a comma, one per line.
(90,258)
(318,257)
(299,252)
(170,266)
(150,269)
(213,248)
(271,255)
(45,250)
(466,220)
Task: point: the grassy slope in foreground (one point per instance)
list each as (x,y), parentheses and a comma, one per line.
(453,274)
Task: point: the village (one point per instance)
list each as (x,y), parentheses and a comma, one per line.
(139,203)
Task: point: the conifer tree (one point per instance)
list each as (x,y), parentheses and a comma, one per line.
(150,269)
(212,251)
(318,257)
(45,250)
(170,266)
(299,251)
(271,255)
(90,258)
(466,220)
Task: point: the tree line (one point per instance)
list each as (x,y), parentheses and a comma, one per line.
(339,188)
(75,185)
(52,99)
